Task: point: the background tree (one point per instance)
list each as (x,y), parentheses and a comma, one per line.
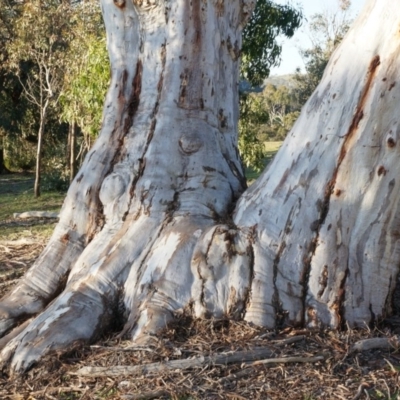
(271,113)
(253,115)
(41,38)
(266,116)
(281,106)
(327,30)
(9,88)
(86,79)
(260,49)
(260,52)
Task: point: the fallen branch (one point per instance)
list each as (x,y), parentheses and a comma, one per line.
(36,214)
(253,357)
(376,343)
(19,242)
(218,359)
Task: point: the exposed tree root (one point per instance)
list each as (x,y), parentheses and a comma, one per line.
(185,265)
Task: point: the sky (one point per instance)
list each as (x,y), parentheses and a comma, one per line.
(291,58)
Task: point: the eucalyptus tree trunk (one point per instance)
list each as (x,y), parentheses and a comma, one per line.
(155,223)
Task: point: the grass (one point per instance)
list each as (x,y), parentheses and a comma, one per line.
(16,195)
(271,148)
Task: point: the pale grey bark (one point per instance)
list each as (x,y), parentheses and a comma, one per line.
(333,246)
(149,228)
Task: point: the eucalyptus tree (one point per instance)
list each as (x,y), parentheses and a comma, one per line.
(158,223)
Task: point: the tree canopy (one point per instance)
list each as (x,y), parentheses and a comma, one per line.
(260,48)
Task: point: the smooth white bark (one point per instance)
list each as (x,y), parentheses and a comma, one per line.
(326,210)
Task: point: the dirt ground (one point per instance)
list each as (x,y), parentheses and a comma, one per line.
(312,365)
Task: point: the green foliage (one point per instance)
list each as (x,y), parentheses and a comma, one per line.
(82,100)
(282,108)
(52,48)
(13,106)
(19,153)
(88,74)
(252,116)
(260,50)
(270,150)
(55,182)
(268,116)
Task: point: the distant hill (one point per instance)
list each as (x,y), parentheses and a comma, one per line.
(281,80)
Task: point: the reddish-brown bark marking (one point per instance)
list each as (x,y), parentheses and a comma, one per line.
(119,3)
(390,142)
(359,114)
(134,100)
(381,171)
